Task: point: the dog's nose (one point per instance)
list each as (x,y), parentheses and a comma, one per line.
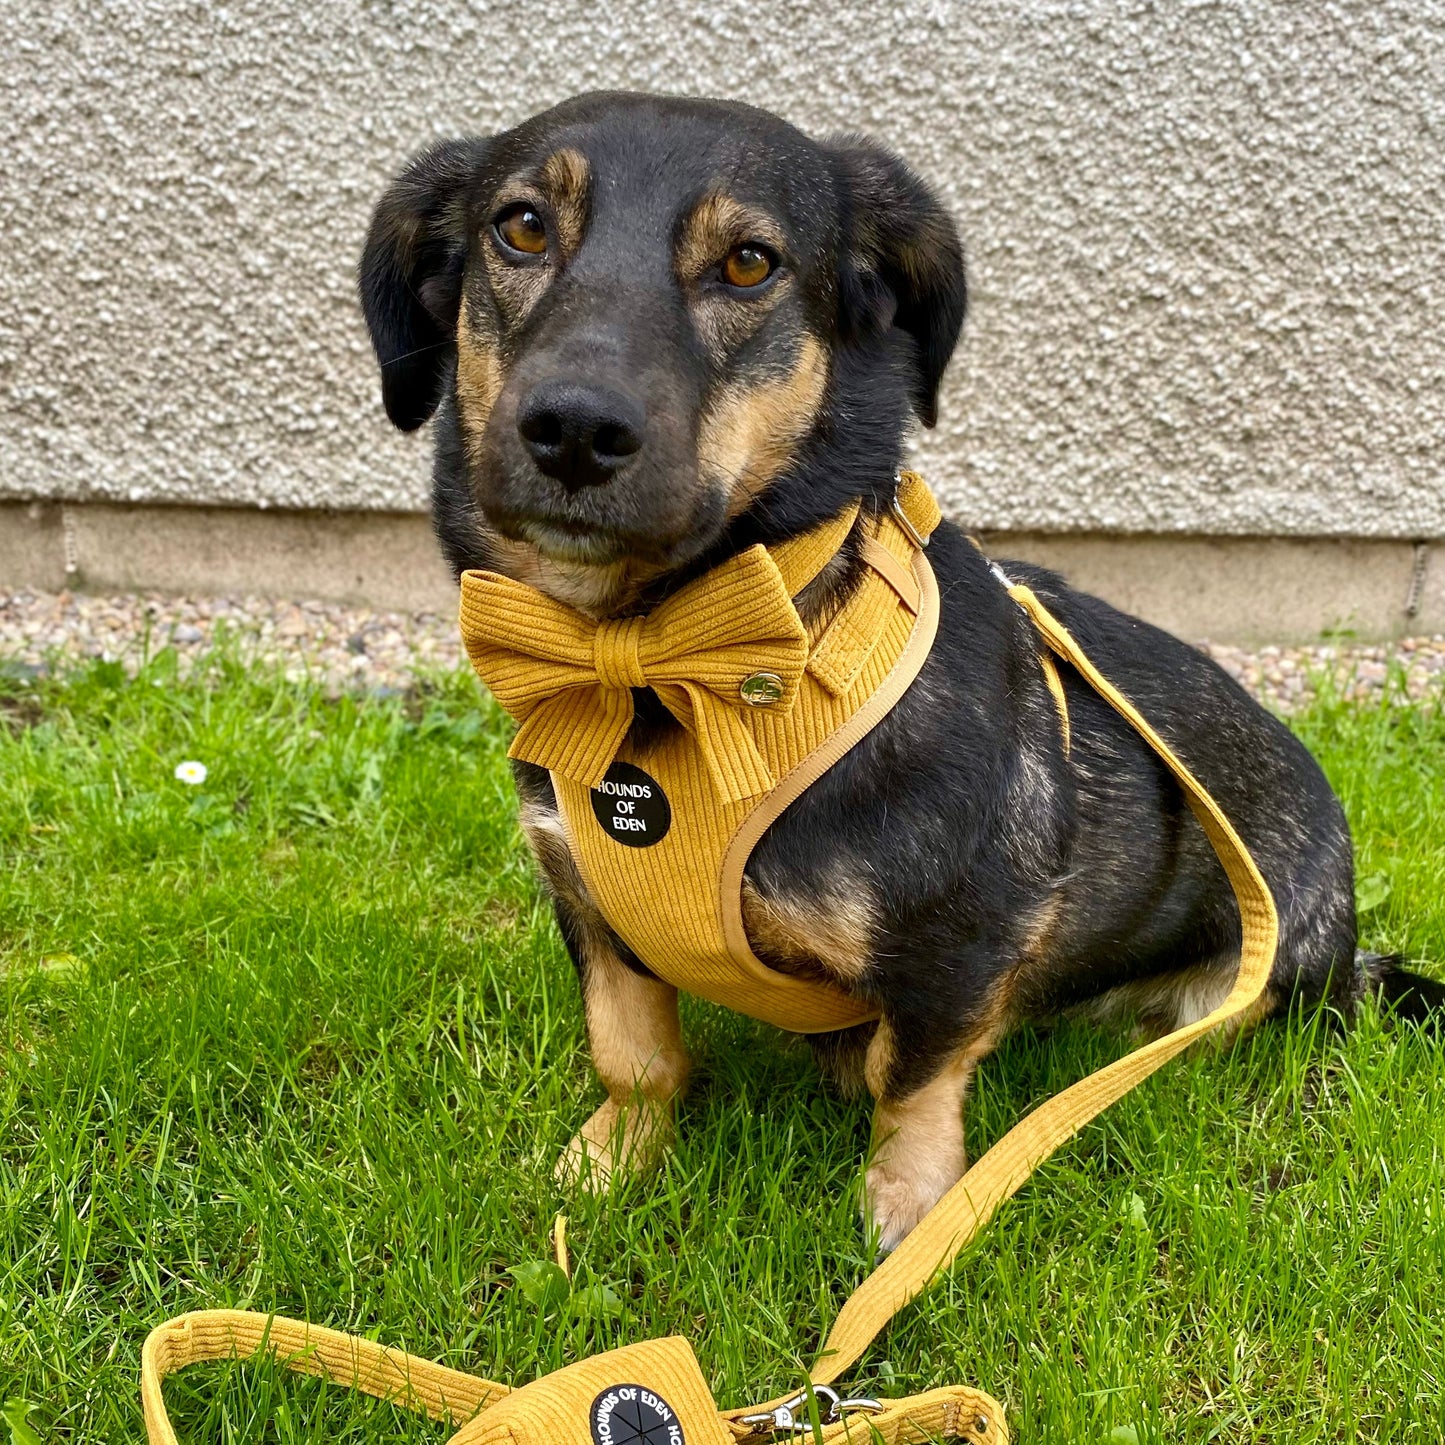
(580,434)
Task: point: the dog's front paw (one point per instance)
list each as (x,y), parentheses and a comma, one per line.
(616,1140)
(897,1194)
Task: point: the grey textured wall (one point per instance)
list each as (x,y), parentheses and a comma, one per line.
(1206,239)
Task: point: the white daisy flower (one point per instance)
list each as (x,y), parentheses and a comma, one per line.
(191,772)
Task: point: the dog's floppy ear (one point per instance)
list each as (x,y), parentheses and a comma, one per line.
(902,264)
(410,278)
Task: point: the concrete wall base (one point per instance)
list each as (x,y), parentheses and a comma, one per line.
(387,560)
(1245,590)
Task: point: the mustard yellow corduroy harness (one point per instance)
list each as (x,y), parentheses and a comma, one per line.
(766,705)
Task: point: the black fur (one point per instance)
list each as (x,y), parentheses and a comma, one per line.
(1407,995)
(998,868)
(411,275)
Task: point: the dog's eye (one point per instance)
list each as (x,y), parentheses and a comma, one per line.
(748,265)
(520,228)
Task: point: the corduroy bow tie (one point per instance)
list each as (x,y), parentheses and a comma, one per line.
(568,680)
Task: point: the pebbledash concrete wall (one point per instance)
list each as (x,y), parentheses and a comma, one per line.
(1205,248)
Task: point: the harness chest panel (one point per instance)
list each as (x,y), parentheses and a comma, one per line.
(677,901)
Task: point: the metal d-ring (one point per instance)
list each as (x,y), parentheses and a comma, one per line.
(901,517)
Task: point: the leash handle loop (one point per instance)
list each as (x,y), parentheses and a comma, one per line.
(409,1380)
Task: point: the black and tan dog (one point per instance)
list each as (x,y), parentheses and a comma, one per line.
(657,331)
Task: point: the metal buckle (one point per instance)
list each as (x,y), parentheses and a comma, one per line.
(901,517)
(791,1417)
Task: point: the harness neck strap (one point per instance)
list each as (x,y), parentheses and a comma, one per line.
(801,559)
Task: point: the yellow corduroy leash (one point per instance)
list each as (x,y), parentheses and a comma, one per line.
(654,1393)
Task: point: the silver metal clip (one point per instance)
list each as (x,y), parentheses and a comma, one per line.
(901,517)
(1000,575)
(791,1417)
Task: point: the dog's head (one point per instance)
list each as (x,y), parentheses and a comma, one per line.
(643,316)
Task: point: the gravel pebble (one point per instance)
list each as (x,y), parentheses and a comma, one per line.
(346,647)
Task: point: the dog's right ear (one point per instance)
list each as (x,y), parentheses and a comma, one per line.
(904,267)
(410,278)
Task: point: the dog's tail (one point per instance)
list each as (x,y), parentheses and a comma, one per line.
(1407,995)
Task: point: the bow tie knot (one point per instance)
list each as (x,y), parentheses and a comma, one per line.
(617,653)
(568,679)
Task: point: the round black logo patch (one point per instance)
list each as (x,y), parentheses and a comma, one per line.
(634,1415)
(631,807)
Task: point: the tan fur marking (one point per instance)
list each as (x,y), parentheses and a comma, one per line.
(632,1049)
(1032,971)
(1172,1001)
(1261,1009)
(750,430)
(918,1152)
(566,179)
(717,224)
(479,381)
(548,840)
(632,1025)
(1040,928)
(599,591)
(636,1040)
(878,1064)
(632,1028)
(832,935)
(517,289)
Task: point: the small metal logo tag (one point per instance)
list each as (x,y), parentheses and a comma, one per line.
(762,688)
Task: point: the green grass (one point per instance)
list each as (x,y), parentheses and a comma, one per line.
(305,1038)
